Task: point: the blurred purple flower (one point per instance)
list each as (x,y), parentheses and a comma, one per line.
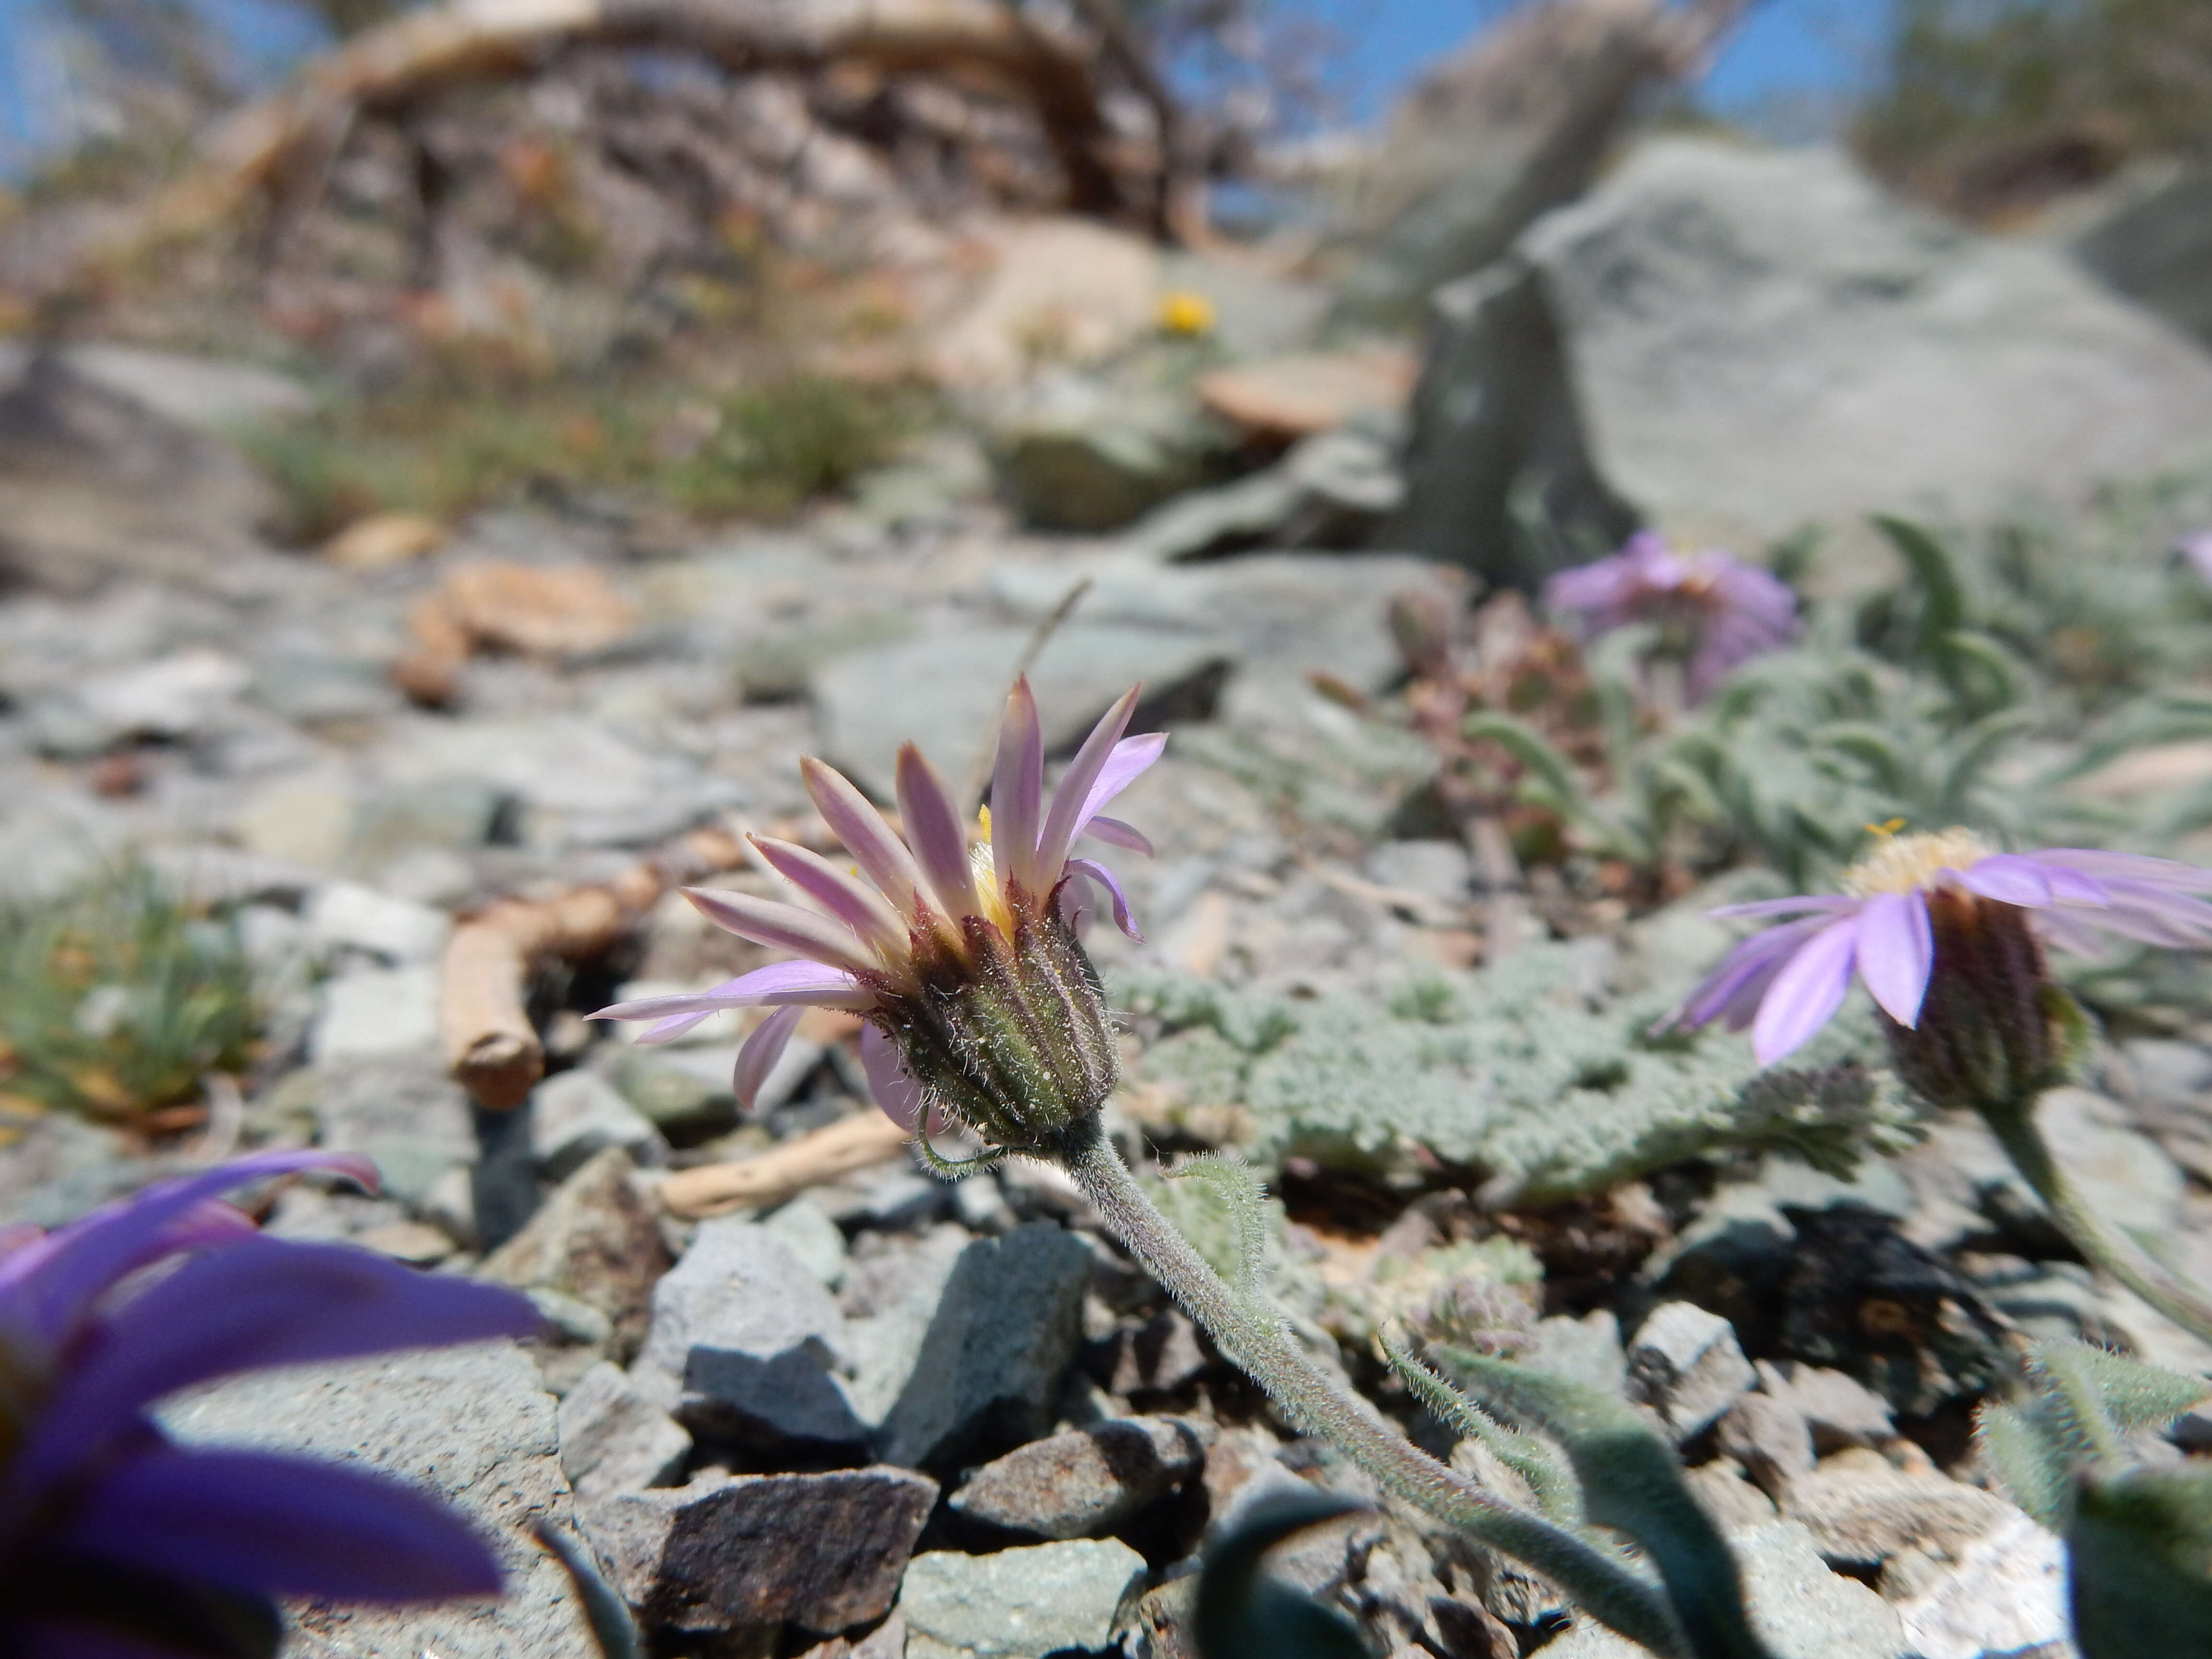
(1715,610)
(1787,982)
(2197,550)
(116,1543)
(932,911)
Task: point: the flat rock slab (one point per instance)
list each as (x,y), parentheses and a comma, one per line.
(1088,1480)
(614,1439)
(1860,1512)
(471,1423)
(1018,1604)
(1801,1610)
(821,1551)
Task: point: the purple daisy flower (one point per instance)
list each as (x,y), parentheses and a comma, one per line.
(115,1543)
(1717,611)
(930,920)
(1787,982)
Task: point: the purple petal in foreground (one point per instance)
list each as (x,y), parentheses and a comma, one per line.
(1114,833)
(858,905)
(1806,993)
(253,1304)
(1130,759)
(934,830)
(882,857)
(781,928)
(898,1094)
(668,1029)
(1896,952)
(1074,794)
(757,1058)
(45,1286)
(1099,873)
(1748,968)
(2009,879)
(778,984)
(1017,789)
(283,1526)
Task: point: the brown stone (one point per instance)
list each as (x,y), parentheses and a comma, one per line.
(594,1239)
(1304,392)
(825,1551)
(1087,1480)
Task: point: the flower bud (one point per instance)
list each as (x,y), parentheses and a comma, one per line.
(1995,1030)
(1013,1038)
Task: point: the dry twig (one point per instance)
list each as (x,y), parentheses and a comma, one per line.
(851,1143)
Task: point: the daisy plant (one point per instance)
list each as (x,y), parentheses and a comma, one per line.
(962,954)
(1712,612)
(1948,936)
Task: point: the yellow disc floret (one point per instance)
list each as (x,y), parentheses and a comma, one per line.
(1905,864)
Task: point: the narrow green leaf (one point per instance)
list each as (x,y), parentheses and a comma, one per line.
(1942,601)
(2032,1465)
(2140,1555)
(1530,748)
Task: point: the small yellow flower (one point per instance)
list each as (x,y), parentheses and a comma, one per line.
(1185,312)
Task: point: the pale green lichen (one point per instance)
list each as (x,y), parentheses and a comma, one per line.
(1541,1074)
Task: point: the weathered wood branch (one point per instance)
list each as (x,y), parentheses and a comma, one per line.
(490,1046)
(821,1155)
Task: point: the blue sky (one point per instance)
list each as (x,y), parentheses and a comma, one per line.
(1791,56)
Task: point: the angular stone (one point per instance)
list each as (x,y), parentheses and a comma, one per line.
(2004,1593)
(1800,1608)
(1686,1365)
(473,1424)
(574,1115)
(1087,1480)
(741,1343)
(1160,1356)
(1837,1408)
(1018,1604)
(1724,1494)
(383,1011)
(990,1365)
(346,914)
(813,1236)
(1861,1511)
(1769,1438)
(825,1551)
(594,1239)
(613,1439)
(399,1108)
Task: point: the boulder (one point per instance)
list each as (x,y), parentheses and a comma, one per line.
(1686,1365)
(1088,1480)
(741,1344)
(1742,344)
(1018,1604)
(2153,243)
(825,1551)
(613,1439)
(990,1368)
(471,1423)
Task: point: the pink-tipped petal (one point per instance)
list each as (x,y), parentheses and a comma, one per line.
(1130,759)
(1114,833)
(882,857)
(667,1031)
(1017,790)
(777,984)
(2009,880)
(1099,873)
(1896,952)
(934,830)
(757,1058)
(898,1094)
(782,927)
(859,907)
(1069,800)
(1806,993)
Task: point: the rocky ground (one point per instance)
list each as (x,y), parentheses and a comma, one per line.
(1408,972)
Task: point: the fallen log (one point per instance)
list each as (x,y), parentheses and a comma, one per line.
(491,1048)
(264,147)
(851,1143)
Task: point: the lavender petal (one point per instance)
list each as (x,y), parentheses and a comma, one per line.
(1806,993)
(1099,873)
(2009,879)
(1896,953)
(2126,866)
(782,927)
(1797,905)
(760,1051)
(934,830)
(1114,833)
(897,1094)
(1017,790)
(251,1304)
(882,857)
(1755,961)
(778,984)
(1130,759)
(1075,785)
(858,905)
(283,1526)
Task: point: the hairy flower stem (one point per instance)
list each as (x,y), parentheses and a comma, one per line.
(1250,1333)
(2103,1245)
